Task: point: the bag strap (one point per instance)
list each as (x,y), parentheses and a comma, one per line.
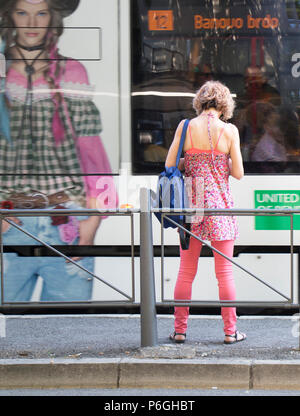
(182,139)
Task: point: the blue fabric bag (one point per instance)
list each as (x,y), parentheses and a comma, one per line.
(171,194)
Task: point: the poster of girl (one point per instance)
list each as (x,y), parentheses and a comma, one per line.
(49,140)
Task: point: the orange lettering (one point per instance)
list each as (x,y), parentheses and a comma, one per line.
(239,23)
(206,23)
(198,21)
(222,23)
(250,22)
(274,22)
(266,22)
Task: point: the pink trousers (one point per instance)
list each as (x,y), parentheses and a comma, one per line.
(187,272)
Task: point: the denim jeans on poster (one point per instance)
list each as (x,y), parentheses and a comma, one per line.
(62,281)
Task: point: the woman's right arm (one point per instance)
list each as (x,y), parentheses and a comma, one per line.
(236,165)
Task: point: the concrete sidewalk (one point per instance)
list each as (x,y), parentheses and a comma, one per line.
(103,351)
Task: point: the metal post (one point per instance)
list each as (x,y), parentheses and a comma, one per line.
(147,301)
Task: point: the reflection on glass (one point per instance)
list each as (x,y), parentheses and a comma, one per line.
(251,46)
(49,139)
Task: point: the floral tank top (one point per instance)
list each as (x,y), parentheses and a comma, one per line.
(212,167)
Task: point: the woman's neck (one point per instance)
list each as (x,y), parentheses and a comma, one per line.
(29,55)
(22,63)
(37,47)
(211,112)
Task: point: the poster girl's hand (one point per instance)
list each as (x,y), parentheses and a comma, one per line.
(6,225)
(87,232)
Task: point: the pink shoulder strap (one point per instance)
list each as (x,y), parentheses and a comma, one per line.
(219,138)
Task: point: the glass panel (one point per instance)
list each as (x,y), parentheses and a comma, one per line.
(251,46)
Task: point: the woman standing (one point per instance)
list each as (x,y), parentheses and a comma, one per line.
(212,153)
(49,138)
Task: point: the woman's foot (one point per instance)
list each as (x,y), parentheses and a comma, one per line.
(177,337)
(236,337)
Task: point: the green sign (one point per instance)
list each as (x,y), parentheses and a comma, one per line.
(271,199)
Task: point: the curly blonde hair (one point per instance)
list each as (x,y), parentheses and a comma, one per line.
(213,94)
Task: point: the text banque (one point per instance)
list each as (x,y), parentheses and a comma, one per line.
(266,22)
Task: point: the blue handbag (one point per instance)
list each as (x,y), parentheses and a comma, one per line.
(171,194)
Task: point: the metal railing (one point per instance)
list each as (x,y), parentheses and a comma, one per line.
(235,212)
(288,303)
(147,286)
(63,212)
(148,302)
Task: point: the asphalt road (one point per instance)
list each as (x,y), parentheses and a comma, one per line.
(106,393)
(107,336)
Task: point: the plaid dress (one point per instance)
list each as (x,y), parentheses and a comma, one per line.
(33,162)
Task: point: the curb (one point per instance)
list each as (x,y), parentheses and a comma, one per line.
(150,373)
(59,373)
(185,374)
(276,375)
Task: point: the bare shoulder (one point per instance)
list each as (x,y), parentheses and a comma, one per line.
(232,132)
(192,120)
(184,120)
(180,125)
(232,128)
(179,129)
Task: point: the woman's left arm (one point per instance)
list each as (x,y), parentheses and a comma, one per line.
(172,154)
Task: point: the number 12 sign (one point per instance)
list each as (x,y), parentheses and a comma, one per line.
(160,20)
